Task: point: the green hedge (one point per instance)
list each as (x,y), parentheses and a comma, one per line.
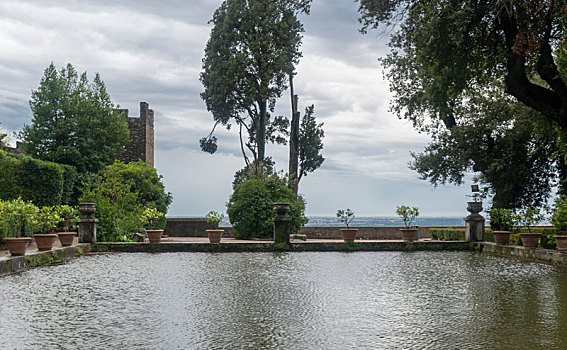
(41,182)
(447,234)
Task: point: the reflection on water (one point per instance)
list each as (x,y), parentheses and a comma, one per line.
(366,300)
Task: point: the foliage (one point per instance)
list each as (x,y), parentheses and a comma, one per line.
(74,121)
(559,217)
(408,214)
(501,219)
(255,170)
(345,216)
(17,218)
(43,183)
(151,218)
(214,218)
(2,138)
(448,234)
(453,61)
(516,156)
(251,50)
(250,207)
(117,208)
(311,137)
(528,217)
(144,180)
(441,49)
(121,195)
(46,220)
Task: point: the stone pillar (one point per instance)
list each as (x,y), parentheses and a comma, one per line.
(87,223)
(474,223)
(282,223)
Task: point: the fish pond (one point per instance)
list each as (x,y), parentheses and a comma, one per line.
(362,300)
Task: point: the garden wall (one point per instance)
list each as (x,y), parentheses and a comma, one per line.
(195,227)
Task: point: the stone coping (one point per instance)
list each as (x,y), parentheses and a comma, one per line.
(231,245)
(539,255)
(33,258)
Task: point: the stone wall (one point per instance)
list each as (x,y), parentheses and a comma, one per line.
(141,145)
(19,149)
(195,227)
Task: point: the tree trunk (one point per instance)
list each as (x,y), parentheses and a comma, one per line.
(293,141)
(261,131)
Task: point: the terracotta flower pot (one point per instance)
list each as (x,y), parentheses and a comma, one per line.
(66,238)
(501,237)
(17,245)
(44,241)
(349,234)
(561,242)
(154,236)
(409,234)
(530,240)
(215,235)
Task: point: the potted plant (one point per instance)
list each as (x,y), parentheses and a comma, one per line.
(408,215)
(17,219)
(68,215)
(215,219)
(501,222)
(46,220)
(346,216)
(528,218)
(153,222)
(559,220)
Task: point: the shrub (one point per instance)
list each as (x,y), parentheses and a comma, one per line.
(41,182)
(17,218)
(121,195)
(447,234)
(250,208)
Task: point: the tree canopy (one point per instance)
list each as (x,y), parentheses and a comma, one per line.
(252,49)
(74,121)
(486,79)
(441,50)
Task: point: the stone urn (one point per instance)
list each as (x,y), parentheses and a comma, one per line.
(530,240)
(17,245)
(44,241)
(561,242)
(66,238)
(215,236)
(501,237)
(409,234)
(349,234)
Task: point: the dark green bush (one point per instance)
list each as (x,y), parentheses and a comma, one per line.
(250,208)
(41,182)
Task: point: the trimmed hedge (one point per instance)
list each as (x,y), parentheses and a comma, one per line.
(41,182)
(447,234)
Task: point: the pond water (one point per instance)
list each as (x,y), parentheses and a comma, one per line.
(363,300)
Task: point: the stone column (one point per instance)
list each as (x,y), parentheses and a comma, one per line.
(474,223)
(87,223)
(282,223)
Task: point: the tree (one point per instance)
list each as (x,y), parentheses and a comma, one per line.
(74,121)
(513,153)
(310,143)
(2,137)
(447,56)
(444,48)
(250,53)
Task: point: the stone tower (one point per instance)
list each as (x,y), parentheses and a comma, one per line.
(141,145)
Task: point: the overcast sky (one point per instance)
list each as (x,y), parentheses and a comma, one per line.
(151,51)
